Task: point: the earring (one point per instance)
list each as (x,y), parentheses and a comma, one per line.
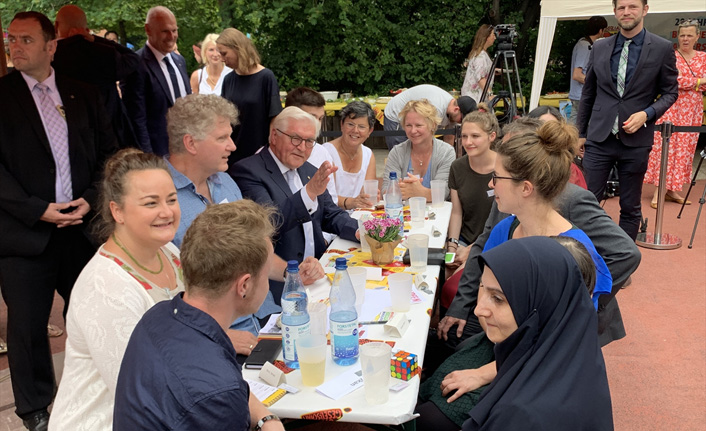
(243,296)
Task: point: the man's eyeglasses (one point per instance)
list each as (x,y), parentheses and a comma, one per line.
(297,141)
(496,178)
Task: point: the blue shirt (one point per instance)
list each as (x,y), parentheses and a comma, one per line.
(223,190)
(179,372)
(604,280)
(634,51)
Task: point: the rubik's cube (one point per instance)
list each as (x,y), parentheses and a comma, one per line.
(404,365)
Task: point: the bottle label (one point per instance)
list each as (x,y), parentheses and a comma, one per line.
(290,334)
(344,338)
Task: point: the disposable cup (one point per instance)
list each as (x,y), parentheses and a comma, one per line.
(400,291)
(438,192)
(311,351)
(370,187)
(318,318)
(364,246)
(417,208)
(375,362)
(358,277)
(418,245)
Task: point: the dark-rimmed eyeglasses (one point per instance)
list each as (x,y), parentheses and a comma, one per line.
(297,141)
(497,177)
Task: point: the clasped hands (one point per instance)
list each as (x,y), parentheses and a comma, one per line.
(54,215)
(411,186)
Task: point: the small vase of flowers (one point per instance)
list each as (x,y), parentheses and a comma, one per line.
(383,235)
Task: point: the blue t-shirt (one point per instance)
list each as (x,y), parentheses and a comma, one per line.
(579,58)
(179,372)
(604,281)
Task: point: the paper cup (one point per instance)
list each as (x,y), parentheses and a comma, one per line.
(438,192)
(400,291)
(375,363)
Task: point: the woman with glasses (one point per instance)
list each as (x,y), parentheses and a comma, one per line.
(686,111)
(355,161)
(252,88)
(479,64)
(421,158)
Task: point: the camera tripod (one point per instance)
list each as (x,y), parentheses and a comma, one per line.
(702,201)
(507,96)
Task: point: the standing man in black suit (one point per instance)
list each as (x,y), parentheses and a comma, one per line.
(54,138)
(618,110)
(159,81)
(95,60)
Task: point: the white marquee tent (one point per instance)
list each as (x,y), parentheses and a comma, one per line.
(552,10)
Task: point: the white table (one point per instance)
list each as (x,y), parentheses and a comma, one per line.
(309,404)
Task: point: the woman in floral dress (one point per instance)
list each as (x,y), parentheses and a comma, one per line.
(479,64)
(686,111)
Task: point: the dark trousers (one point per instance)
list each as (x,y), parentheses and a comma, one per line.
(391,141)
(632,165)
(28,284)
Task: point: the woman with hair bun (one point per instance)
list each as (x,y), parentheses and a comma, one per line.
(531,170)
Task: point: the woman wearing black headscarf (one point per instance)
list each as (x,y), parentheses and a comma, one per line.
(532,303)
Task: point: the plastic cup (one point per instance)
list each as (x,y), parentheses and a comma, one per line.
(418,245)
(417,208)
(438,192)
(364,246)
(400,291)
(358,278)
(311,351)
(318,318)
(375,363)
(370,187)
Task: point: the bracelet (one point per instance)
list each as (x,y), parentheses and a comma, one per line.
(452,240)
(345,207)
(455,246)
(262,421)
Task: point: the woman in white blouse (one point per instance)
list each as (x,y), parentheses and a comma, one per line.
(209,78)
(136,267)
(479,64)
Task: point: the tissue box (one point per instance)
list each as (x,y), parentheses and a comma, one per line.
(404,365)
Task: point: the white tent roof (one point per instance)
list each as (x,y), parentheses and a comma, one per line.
(565,9)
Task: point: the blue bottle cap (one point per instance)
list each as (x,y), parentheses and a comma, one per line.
(393,175)
(341,263)
(292,266)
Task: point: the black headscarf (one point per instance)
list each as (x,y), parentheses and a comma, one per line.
(551,374)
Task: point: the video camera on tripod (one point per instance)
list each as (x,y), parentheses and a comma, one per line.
(505,35)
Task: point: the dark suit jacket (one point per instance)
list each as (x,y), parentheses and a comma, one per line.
(27,169)
(260,179)
(147,98)
(655,74)
(580,207)
(101,63)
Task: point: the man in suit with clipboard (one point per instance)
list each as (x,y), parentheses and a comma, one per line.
(160,79)
(54,140)
(618,110)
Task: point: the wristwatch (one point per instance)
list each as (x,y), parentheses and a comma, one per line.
(262,421)
(453,240)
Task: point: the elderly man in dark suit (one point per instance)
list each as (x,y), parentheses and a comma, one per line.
(617,112)
(280,175)
(159,81)
(54,138)
(95,60)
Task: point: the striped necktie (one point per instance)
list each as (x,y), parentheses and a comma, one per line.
(58,131)
(622,68)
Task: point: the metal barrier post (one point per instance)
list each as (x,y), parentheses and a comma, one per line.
(659,240)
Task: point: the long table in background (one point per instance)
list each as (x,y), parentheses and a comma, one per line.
(310,404)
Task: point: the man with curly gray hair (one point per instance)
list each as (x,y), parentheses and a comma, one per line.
(199,127)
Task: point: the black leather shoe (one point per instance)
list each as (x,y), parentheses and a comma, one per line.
(37,422)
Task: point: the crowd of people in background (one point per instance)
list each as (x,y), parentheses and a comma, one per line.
(163,205)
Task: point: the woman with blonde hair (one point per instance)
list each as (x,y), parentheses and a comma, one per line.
(479,64)
(421,158)
(252,88)
(209,78)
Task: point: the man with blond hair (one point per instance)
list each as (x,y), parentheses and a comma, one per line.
(180,370)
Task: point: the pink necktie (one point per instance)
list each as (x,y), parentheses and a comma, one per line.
(58,137)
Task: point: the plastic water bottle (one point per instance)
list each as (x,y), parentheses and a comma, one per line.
(295,317)
(393,200)
(343,318)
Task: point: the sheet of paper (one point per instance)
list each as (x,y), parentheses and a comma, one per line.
(343,384)
(375,302)
(271,327)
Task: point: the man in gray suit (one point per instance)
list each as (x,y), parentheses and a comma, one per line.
(618,109)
